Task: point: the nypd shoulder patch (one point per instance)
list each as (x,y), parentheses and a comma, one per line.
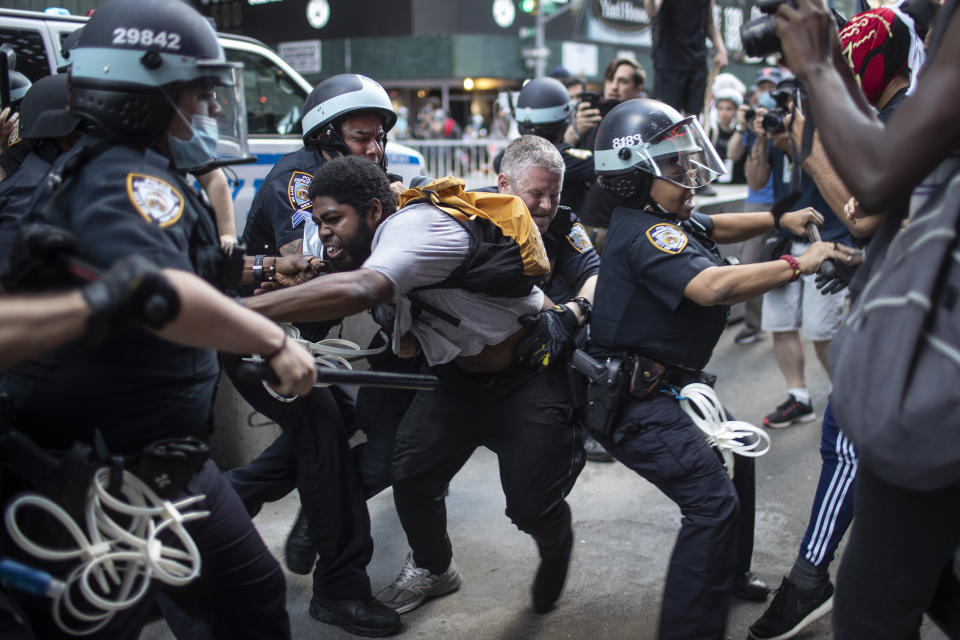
(667,238)
(156,200)
(297,193)
(579,154)
(578,238)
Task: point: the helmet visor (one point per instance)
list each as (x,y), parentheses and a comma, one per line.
(232,123)
(681,154)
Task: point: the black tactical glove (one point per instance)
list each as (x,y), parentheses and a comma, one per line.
(37,259)
(551,341)
(841,276)
(132,290)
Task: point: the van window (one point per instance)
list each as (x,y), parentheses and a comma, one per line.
(274,100)
(31,56)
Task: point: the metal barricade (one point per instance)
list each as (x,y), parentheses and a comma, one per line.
(471,160)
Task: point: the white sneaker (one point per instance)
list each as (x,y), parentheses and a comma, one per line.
(414,586)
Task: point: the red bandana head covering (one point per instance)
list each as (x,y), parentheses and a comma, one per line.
(876,44)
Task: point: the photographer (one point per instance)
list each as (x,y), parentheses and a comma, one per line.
(800,304)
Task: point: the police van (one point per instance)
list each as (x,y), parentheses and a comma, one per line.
(275,94)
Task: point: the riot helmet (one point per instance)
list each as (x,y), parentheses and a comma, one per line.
(66,47)
(19,85)
(336,97)
(44,110)
(642,139)
(544,109)
(132,62)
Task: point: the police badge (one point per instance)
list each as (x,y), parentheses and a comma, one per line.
(667,238)
(297,193)
(154,199)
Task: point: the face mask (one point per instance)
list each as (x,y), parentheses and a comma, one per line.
(198,151)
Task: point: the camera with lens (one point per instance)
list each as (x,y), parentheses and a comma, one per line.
(750,114)
(597,101)
(786,91)
(759,37)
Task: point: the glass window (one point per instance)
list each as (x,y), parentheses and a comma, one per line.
(274,100)
(31,56)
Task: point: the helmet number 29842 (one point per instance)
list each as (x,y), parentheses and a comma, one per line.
(146,37)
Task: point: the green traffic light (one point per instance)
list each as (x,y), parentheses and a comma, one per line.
(528,6)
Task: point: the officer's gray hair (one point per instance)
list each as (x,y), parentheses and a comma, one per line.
(527,152)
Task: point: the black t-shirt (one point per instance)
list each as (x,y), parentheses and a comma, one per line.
(679,35)
(135,387)
(648,261)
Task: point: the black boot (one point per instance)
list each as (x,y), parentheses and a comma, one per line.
(298,552)
(552,575)
(360,616)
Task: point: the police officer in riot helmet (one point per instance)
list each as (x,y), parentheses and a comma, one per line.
(661,304)
(151,78)
(544,109)
(346,114)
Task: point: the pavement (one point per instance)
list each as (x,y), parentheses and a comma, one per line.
(624,530)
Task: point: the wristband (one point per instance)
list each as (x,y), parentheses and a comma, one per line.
(586,308)
(776,218)
(793,265)
(258,268)
(277,352)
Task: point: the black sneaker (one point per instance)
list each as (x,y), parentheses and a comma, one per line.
(595,450)
(551,576)
(747,335)
(791,610)
(297,551)
(792,410)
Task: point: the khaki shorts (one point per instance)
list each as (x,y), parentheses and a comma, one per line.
(800,306)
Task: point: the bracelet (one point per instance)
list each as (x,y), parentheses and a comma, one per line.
(776,218)
(277,352)
(793,265)
(258,268)
(586,308)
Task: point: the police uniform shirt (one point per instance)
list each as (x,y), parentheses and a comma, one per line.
(134,387)
(639,306)
(15,195)
(578,174)
(13,156)
(572,256)
(281,205)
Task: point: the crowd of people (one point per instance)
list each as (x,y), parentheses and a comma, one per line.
(125,295)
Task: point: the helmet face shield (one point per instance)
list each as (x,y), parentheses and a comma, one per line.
(681,154)
(232,122)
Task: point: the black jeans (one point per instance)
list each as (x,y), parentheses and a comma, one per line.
(898,562)
(656,439)
(331,493)
(524,417)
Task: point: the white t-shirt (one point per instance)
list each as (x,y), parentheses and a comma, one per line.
(420,246)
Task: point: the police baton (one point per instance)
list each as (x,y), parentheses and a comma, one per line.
(257,371)
(827,268)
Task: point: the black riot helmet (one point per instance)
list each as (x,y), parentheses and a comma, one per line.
(642,139)
(44,110)
(133,58)
(544,109)
(336,97)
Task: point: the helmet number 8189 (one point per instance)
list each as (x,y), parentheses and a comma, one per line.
(146,37)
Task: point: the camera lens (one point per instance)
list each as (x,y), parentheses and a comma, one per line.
(773,122)
(759,37)
(750,114)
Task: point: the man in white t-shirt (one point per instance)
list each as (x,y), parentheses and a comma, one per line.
(458,301)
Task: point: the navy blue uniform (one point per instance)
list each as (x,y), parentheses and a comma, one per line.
(313,452)
(572,257)
(15,195)
(578,174)
(639,307)
(136,388)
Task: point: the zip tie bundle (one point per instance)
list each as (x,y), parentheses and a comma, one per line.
(700,402)
(116,562)
(331,352)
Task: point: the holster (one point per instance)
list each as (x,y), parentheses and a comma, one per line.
(604,389)
(643,375)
